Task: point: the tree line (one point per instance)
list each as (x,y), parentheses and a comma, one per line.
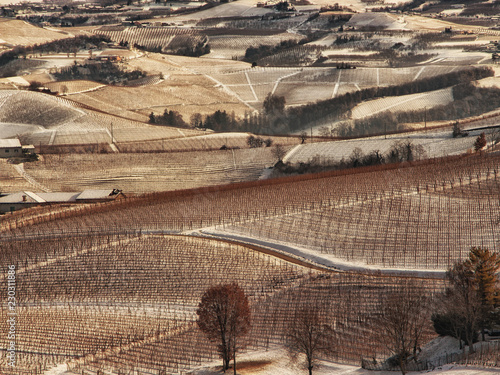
(68,45)
(400,152)
(105,72)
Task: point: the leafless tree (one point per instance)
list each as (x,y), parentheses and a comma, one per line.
(403,317)
(309,335)
(224,316)
(303,137)
(494,137)
(278,152)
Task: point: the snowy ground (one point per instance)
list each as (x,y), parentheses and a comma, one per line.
(436,143)
(313,257)
(278,361)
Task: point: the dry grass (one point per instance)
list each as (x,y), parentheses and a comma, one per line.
(17,32)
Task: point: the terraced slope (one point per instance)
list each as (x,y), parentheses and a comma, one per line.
(394,216)
(127,303)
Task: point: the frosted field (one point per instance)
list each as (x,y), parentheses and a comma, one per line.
(48,120)
(403,103)
(239,8)
(435,144)
(18,32)
(379,20)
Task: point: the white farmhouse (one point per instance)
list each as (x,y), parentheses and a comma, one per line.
(10,148)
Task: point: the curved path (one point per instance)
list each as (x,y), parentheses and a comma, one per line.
(312,259)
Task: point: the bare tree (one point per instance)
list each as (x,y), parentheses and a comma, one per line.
(404,314)
(224,316)
(308,335)
(461,304)
(303,137)
(278,152)
(494,137)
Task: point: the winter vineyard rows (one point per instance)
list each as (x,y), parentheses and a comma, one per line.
(149,37)
(123,302)
(425,215)
(128,262)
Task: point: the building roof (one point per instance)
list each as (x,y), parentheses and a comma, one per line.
(31,197)
(58,197)
(97,194)
(9,143)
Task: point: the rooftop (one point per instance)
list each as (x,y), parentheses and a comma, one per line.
(9,143)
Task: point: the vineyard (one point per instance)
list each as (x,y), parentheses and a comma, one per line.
(138,172)
(150,37)
(42,110)
(71,87)
(403,103)
(67,282)
(418,217)
(112,287)
(49,121)
(17,32)
(231,46)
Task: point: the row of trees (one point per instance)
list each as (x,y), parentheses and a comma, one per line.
(468,305)
(106,72)
(67,45)
(399,152)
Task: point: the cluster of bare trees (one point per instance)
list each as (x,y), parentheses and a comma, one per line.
(401,319)
(470,303)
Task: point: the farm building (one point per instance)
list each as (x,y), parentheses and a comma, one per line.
(10,148)
(26,199)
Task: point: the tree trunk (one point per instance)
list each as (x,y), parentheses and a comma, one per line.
(402,365)
(310,367)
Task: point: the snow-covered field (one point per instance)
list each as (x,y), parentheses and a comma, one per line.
(435,143)
(413,102)
(278,361)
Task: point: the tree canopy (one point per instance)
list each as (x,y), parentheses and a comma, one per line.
(224,316)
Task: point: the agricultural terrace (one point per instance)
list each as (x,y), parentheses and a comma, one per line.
(140,173)
(234,46)
(75,289)
(45,120)
(422,215)
(151,38)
